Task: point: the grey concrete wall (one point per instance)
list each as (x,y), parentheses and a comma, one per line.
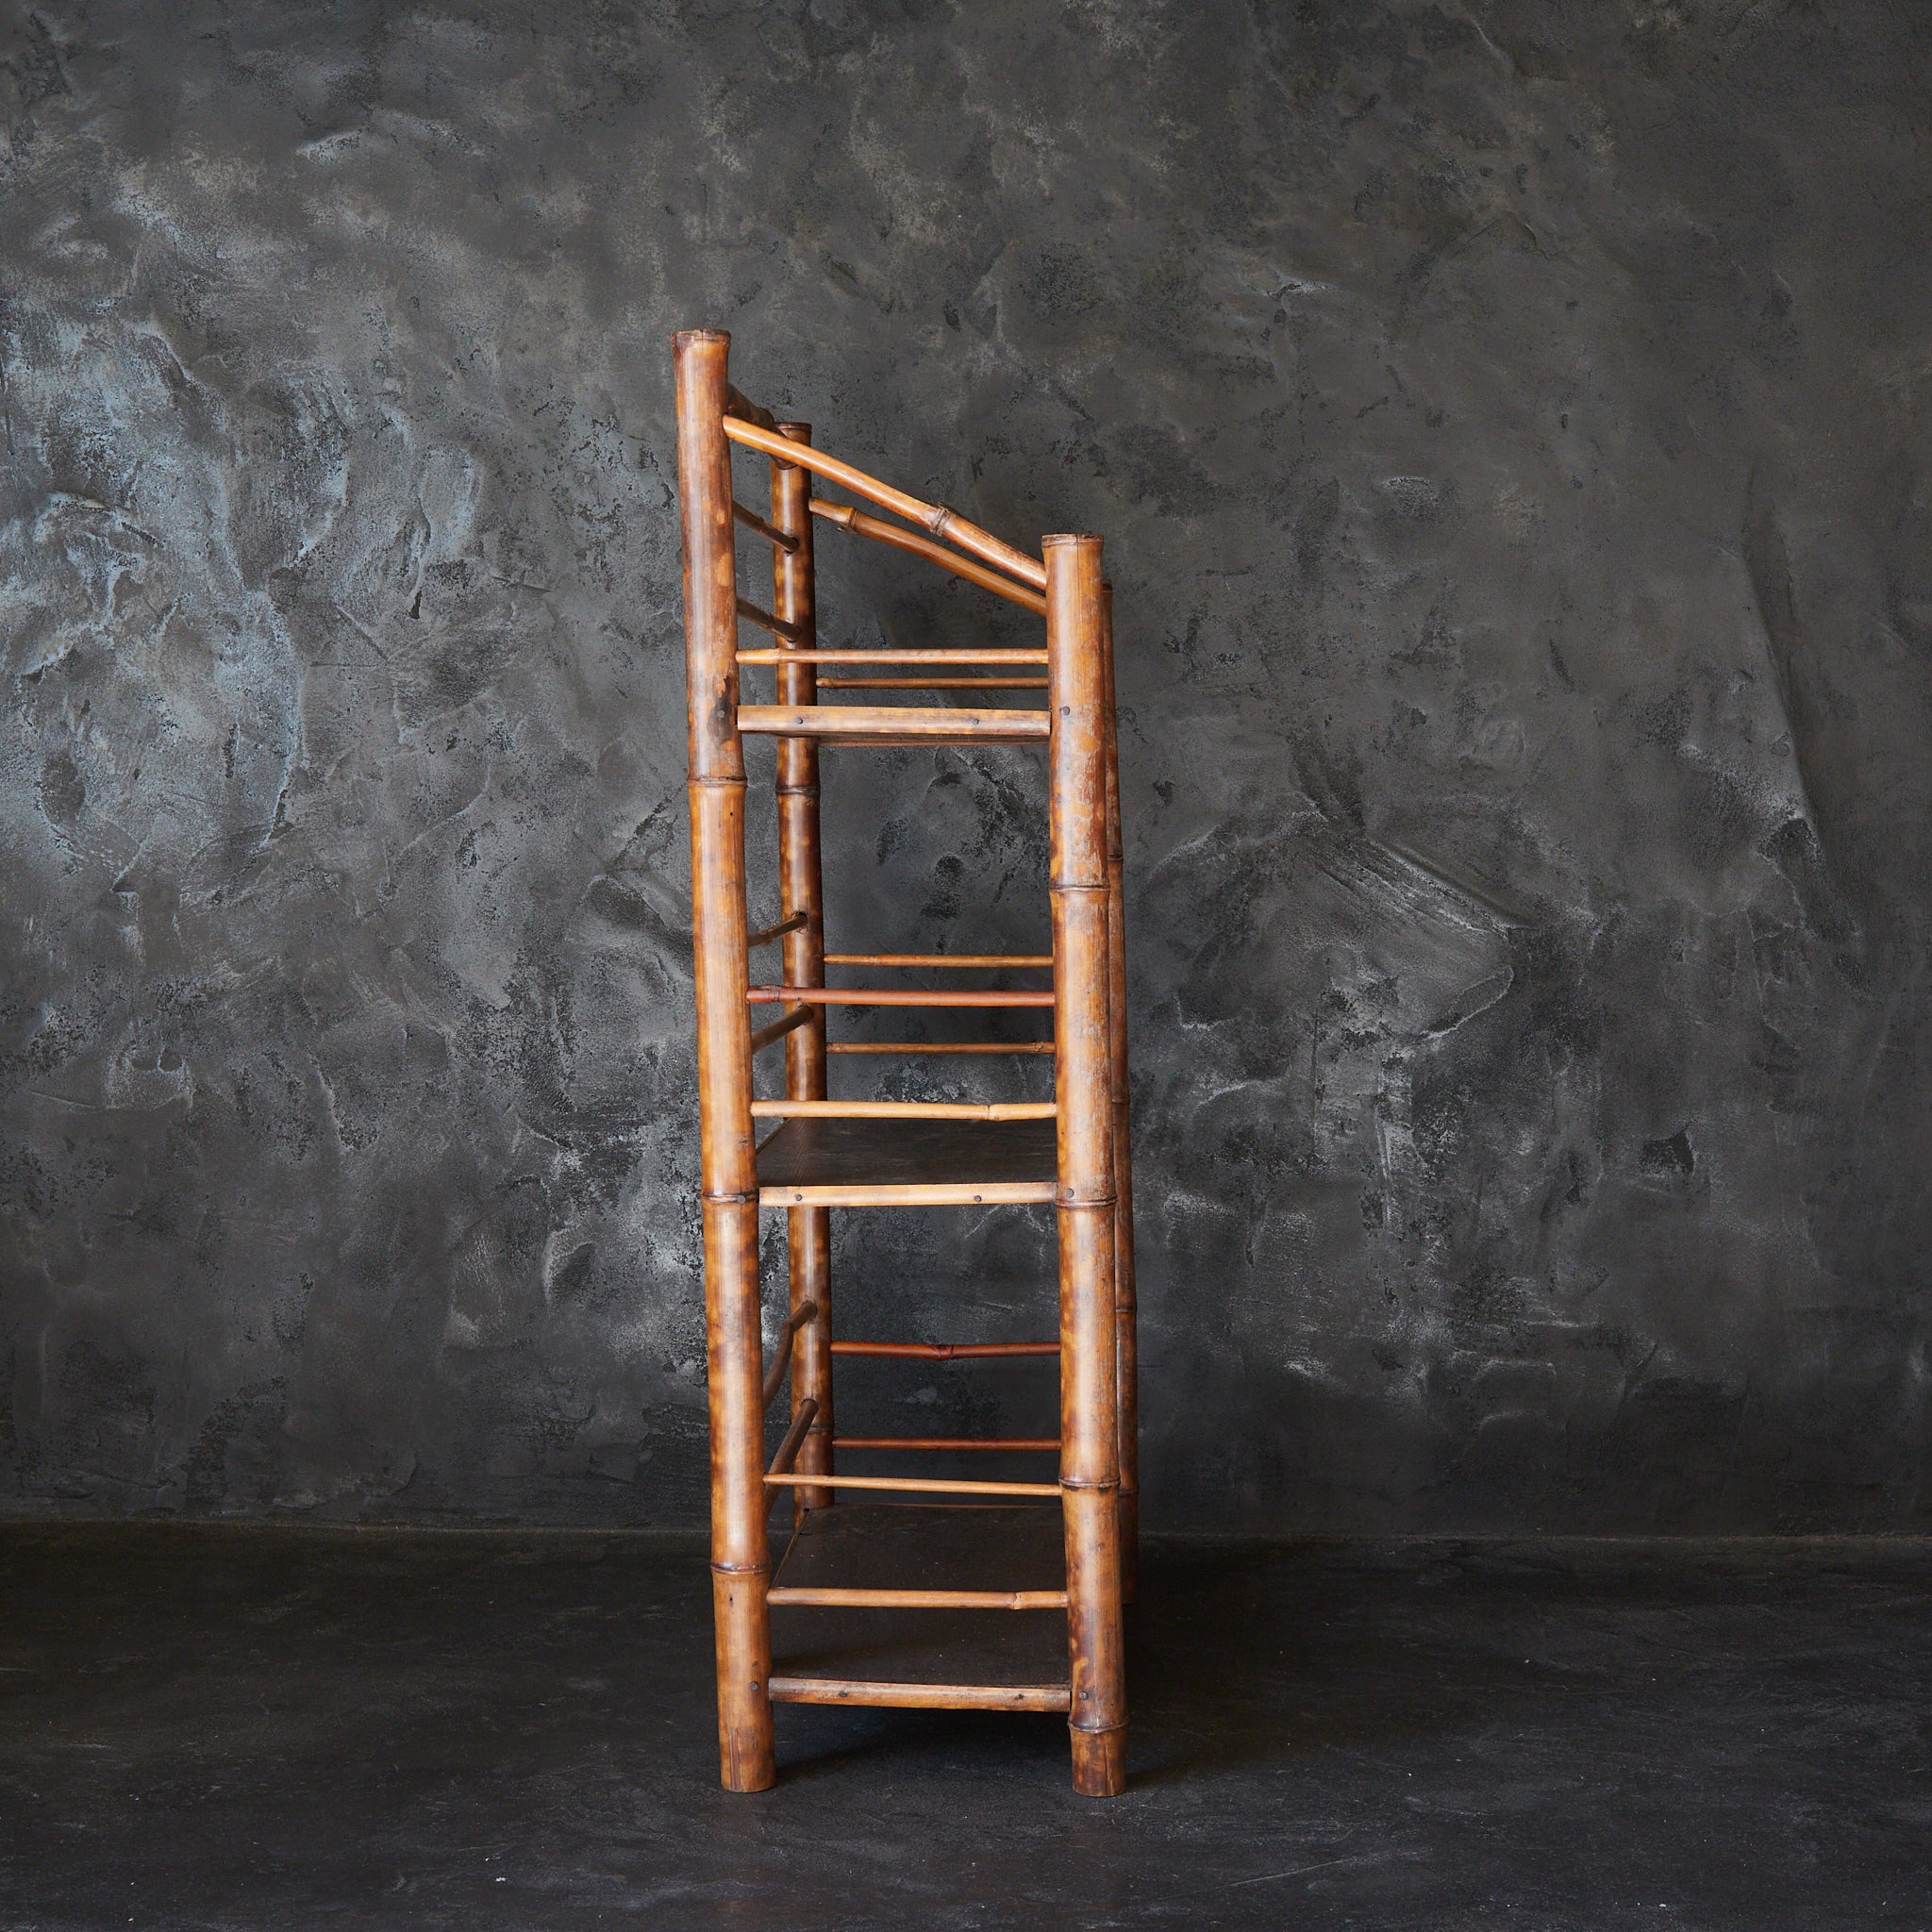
(1508,423)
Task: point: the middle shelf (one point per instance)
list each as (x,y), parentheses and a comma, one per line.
(907,1163)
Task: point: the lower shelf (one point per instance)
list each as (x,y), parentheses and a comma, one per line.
(973,1660)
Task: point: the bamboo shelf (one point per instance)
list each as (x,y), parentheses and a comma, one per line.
(1001,1591)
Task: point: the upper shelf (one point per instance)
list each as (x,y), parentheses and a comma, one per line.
(907,1163)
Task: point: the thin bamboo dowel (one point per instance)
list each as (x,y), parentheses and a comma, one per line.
(906,1195)
(834,1598)
(896,725)
(902,1109)
(862,525)
(939,959)
(932,684)
(950,654)
(942,523)
(781,1358)
(948,1442)
(764,1036)
(900,1696)
(765,620)
(808,1230)
(945,1350)
(752,521)
(795,923)
(893,996)
(913,1046)
(935,1486)
(1077,890)
(781,1462)
(740,1567)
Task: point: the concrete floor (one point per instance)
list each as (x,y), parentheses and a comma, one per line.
(257,1727)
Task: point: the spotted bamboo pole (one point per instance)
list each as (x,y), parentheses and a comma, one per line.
(739,1561)
(1090,1455)
(1128,1394)
(801,890)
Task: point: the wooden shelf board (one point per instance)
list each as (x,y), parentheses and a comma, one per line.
(907,1163)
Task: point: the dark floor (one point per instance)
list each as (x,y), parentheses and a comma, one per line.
(234,1727)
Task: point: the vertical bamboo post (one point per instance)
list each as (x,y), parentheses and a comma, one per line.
(1126,1390)
(801,889)
(1078,887)
(739,1561)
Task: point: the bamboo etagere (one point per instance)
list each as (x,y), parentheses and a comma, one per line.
(1071,1151)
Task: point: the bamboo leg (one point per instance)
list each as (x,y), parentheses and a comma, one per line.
(1090,1448)
(739,1561)
(1128,1394)
(801,890)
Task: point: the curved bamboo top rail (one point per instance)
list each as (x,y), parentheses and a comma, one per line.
(938,958)
(949,655)
(933,517)
(846,518)
(738,404)
(890,996)
(903,1110)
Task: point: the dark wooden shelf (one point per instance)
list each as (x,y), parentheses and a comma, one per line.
(907,1163)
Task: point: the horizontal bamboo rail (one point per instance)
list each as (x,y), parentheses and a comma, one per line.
(949,654)
(945,1350)
(946,1442)
(776,625)
(781,1462)
(936,1486)
(932,684)
(795,923)
(893,1696)
(935,518)
(906,1194)
(899,723)
(752,521)
(939,1046)
(781,1360)
(938,958)
(893,996)
(860,524)
(833,1598)
(903,1110)
(764,1036)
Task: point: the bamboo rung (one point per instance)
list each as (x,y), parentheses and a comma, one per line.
(903,1110)
(945,656)
(918,1599)
(908,1195)
(939,1046)
(932,684)
(862,525)
(938,958)
(776,625)
(890,996)
(937,1486)
(752,521)
(764,1036)
(776,932)
(899,725)
(945,1350)
(890,1696)
(946,1442)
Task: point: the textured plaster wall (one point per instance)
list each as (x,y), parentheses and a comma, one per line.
(1509,423)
